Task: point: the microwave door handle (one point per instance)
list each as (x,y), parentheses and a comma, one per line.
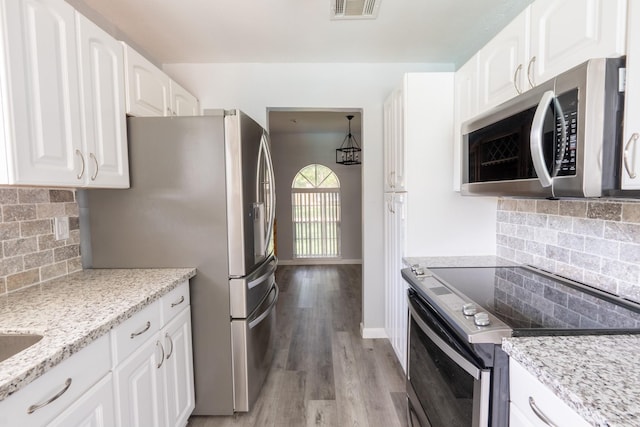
(535,141)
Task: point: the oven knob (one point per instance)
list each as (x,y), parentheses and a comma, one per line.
(481,319)
(469,309)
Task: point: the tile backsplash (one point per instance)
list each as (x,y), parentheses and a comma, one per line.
(592,241)
(29,252)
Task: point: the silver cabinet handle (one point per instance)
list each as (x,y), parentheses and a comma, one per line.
(540,414)
(180,301)
(392,176)
(78,153)
(142,331)
(515,78)
(169,111)
(37,406)
(529,75)
(95,160)
(159,344)
(630,143)
(168,337)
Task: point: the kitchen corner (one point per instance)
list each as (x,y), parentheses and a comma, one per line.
(73,311)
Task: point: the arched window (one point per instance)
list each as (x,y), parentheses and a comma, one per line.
(315,199)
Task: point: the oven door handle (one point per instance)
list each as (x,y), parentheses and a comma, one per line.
(469,367)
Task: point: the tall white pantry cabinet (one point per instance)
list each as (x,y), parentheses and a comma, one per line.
(423,216)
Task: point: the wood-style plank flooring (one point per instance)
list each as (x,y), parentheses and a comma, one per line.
(323,373)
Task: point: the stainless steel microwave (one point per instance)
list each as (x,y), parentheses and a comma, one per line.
(559,139)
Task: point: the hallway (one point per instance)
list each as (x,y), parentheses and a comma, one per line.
(323,373)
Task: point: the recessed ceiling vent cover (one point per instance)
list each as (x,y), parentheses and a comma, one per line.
(354,9)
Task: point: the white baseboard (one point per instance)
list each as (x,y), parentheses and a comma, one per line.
(318,261)
(369,333)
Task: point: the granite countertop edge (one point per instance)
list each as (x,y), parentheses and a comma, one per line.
(63,336)
(458,261)
(577,372)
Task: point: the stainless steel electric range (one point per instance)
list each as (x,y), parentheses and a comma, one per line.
(457,373)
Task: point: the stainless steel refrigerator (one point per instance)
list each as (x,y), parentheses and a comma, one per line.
(202,195)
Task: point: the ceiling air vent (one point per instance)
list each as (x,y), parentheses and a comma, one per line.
(354,9)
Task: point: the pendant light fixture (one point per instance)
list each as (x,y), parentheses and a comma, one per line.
(349,151)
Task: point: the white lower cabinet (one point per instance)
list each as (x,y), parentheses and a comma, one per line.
(95,408)
(154,383)
(532,404)
(60,390)
(140,374)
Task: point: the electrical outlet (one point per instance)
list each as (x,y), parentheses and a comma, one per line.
(61,227)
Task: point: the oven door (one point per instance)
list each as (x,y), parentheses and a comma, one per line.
(446,385)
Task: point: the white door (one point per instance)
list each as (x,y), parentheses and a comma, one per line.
(565,33)
(104,117)
(501,63)
(139,386)
(42,75)
(178,369)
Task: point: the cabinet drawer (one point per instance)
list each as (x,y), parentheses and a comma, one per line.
(523,386)
(132,333)
(69,380)
(174,302)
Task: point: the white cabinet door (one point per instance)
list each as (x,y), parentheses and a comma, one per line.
(40,91)
(94,408)
(501,62)
(394,179)
(631,150)
(103,93)
(178,370)
(565,33)
(139,386)
(182,102)
(147,91)
(466,106)
(395,290)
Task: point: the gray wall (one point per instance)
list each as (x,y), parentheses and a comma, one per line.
(291,152)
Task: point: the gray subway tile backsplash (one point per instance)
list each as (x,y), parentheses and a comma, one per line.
(596,242)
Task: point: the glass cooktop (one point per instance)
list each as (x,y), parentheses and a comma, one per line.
(528,300)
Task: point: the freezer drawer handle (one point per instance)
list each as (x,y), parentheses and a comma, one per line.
(37,406)
(173,304)
(260,318)
(145,329)
(255,282)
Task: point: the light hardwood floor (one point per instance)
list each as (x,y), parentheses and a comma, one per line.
(323,373)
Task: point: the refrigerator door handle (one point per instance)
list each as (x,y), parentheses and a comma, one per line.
(253,323)
(272,189)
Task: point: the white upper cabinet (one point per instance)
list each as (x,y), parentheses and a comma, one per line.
(39,91)
(182,102)
(565,33)
(394,145)
(631,150)
(548,38)
(501,63)
(104,151)
(61,82)
(147,86)
(151,93)
(466,106)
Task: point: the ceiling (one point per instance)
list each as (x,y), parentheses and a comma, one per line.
(275,31)
(288,122)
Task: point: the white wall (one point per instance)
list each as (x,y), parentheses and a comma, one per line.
(256,87)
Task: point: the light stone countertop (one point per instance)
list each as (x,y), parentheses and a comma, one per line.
(597,376)
(458,261)
(73,311)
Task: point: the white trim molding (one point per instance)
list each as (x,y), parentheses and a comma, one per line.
(369,333)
